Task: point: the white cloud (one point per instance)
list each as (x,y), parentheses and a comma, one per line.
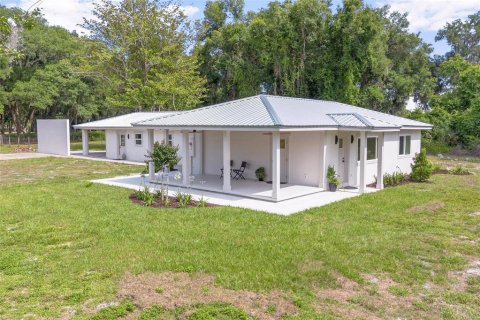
(190,10)
(70,13)
(432,15)
(65,13)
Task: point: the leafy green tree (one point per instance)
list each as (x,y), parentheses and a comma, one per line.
(357,55)
(142,55)
(463,37)
(461,99)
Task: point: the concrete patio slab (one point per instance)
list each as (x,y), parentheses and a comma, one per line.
(285,207)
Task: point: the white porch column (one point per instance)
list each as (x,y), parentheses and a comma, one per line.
(85,140)
(151,165)
(380,165)
(363,161)
(165,136)
(226,161)
(186,162)
(322,181)
(150,140)
(275,164)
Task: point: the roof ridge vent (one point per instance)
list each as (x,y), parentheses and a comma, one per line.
(270,110)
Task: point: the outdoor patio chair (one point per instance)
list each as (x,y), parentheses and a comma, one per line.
(221,170)
(239,172)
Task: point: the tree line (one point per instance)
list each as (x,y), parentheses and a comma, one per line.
(147,55)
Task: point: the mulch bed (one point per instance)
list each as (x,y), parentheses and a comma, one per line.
(173,203)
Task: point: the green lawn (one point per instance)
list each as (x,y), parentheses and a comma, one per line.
(67,245)
(74,146)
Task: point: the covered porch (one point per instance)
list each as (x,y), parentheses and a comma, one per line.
(296,162)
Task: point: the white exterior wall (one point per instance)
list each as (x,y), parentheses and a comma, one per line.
(212,152)
(111,144)
(54,136)
(304,157)
(392,158)
(253,147)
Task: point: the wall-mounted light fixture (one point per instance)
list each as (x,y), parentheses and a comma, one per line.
(352,138)
(128,136)
(336,139)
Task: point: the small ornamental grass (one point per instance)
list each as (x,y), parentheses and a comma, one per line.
(183,199)
(145,195)
(394,179)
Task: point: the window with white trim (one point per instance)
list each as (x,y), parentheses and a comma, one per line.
(372,143)
(404,145)
(170,140)
(371,148)
(138,139)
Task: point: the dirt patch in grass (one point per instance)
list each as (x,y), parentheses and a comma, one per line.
(459,279)
(429,207)
(171,290)
(378,298)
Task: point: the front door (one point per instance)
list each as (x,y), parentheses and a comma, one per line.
(284,160)
(121,146)
(342,158)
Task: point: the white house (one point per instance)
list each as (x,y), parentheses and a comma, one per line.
(294,139)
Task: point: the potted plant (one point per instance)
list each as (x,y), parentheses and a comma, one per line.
(261,174)
(333,180)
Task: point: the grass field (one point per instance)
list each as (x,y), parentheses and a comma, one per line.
(74,146)
(73,249)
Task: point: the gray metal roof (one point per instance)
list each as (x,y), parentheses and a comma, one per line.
(123,121)
(265,111)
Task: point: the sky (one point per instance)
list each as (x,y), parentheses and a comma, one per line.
(425,16)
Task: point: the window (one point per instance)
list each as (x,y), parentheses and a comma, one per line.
(138,139)
(358,149)
(122,140)
(404,145)
(371,149)
(170,140)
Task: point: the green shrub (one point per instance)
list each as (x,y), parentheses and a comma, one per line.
(261,174)
(332,176)
(161,155)
(422,167)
